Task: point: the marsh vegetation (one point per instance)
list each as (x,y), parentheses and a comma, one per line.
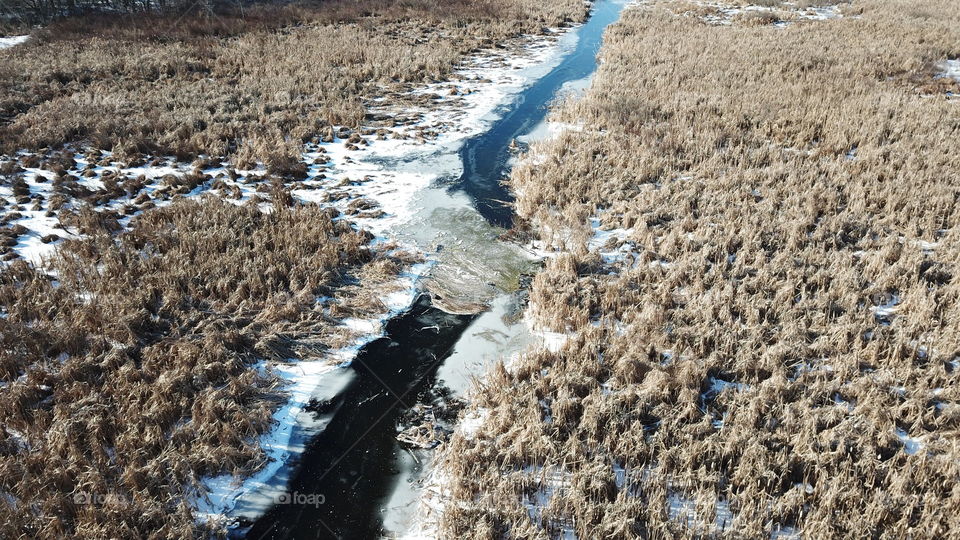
(254,82)
(755,245)
(137,367)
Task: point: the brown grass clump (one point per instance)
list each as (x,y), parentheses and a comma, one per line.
(133,373)
(189,84)
(777,349)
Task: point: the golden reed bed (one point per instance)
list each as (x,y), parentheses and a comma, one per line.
(774,351)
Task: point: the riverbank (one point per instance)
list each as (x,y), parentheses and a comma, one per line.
(750,221)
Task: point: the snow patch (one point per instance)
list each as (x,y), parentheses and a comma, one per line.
(553,341)
(470,423)
(926,247)
(911,445)
(950,69)
(885,311)
(719,385)
(724,14)
(603,240)
(840,402)
(684,509)
(7,42)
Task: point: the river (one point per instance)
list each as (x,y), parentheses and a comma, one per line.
(353,479)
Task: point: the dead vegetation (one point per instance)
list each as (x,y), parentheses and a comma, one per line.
(134,372)
(774,348)
(261,80)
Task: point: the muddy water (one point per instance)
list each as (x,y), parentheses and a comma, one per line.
(353,479)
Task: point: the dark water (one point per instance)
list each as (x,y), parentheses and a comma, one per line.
(485,157)
(347,473)
(351,466)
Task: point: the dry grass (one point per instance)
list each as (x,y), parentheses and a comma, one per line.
(260,81)
(132,375)
(782,188)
